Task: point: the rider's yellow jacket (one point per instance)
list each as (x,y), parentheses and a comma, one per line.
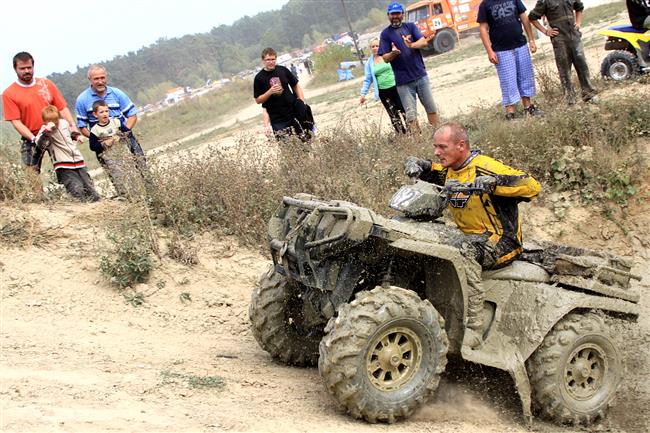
(495,215)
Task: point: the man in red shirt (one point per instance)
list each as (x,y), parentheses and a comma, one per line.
(22,103)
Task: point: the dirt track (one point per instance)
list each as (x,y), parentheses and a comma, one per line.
(76,357)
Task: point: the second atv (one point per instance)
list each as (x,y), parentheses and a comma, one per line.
(630,52)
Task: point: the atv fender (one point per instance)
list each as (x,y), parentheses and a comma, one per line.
(525,313)
(443,252)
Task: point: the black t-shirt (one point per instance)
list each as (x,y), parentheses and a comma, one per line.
(502,17)
(279,107)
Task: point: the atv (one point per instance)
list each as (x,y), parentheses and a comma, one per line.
(630,54)
(380,303)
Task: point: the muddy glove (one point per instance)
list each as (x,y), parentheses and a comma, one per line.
(414,166)
(485,183)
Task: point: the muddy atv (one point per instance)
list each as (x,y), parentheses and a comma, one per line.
(379,304)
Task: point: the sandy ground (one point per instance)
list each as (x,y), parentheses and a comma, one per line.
(76,357)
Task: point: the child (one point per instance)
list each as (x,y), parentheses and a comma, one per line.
(69,166)
(104,139)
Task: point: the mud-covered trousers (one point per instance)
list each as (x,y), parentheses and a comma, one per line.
(479,254)
(569,51)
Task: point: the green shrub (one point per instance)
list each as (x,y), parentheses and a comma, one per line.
(128,259)
(571,148)
(236,190)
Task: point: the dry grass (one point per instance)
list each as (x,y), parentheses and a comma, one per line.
(587,149)
(24,231)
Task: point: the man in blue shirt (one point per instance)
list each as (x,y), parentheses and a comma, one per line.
(399,45)
(119,104)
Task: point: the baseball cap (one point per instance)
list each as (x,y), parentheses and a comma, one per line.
(395,7)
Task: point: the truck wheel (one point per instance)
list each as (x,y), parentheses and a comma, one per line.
(619,66)
(382,356)
(444,40)
(576,370)
(275,315)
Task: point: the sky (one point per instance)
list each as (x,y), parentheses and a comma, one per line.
(64,35)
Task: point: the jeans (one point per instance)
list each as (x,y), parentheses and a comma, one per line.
(119,166)
(282,130)
(407,93)
(31,155)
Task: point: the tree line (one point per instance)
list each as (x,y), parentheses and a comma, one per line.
(190,60)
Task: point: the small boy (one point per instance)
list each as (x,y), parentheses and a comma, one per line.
(69,166)
(104,138)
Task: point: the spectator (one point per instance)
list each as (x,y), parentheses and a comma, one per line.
(54,136)
(294,70)
(381,76)
(277,89)
(105,135)
(506,48)
(399,45)
(307,64)
(22,104)
(119,105)
(564,20)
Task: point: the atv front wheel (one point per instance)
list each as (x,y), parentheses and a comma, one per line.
(276,317)
(383,354)
(576,370)
(619,66)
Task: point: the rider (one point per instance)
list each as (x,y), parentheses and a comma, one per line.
(490,219)
(639,11)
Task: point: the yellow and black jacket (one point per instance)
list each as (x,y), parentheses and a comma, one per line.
(495,215)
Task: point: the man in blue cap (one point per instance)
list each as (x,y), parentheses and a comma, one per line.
(400,44)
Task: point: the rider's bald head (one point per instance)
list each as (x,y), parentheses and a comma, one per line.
(454,131)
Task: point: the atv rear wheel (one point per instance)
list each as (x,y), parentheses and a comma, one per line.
(275,315)
(576,370)
(619,66)
(382,356)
